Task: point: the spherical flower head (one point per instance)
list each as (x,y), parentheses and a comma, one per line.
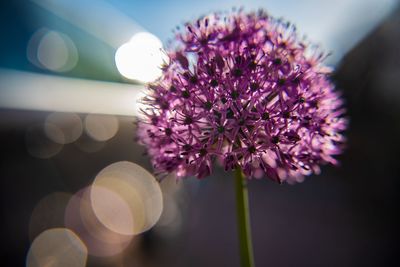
(243,89)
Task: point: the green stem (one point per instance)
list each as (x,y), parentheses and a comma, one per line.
(243,220)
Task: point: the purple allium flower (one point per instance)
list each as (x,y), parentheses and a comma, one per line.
(245,90)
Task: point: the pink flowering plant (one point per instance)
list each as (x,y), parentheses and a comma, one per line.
(242,89)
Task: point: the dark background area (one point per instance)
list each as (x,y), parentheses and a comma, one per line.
(347,216)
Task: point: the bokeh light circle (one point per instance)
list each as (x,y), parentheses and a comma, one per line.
(101,127)
(87,144)
(138,188)
(48,213)
(52,50)
(100,240)
(112,210)
(57,247)
(70,125)
(39,145)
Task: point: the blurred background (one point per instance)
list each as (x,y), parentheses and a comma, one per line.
(70,75)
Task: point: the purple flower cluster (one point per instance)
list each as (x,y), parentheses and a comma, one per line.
(245,90)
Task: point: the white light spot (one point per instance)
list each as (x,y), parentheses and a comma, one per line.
(140,58)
